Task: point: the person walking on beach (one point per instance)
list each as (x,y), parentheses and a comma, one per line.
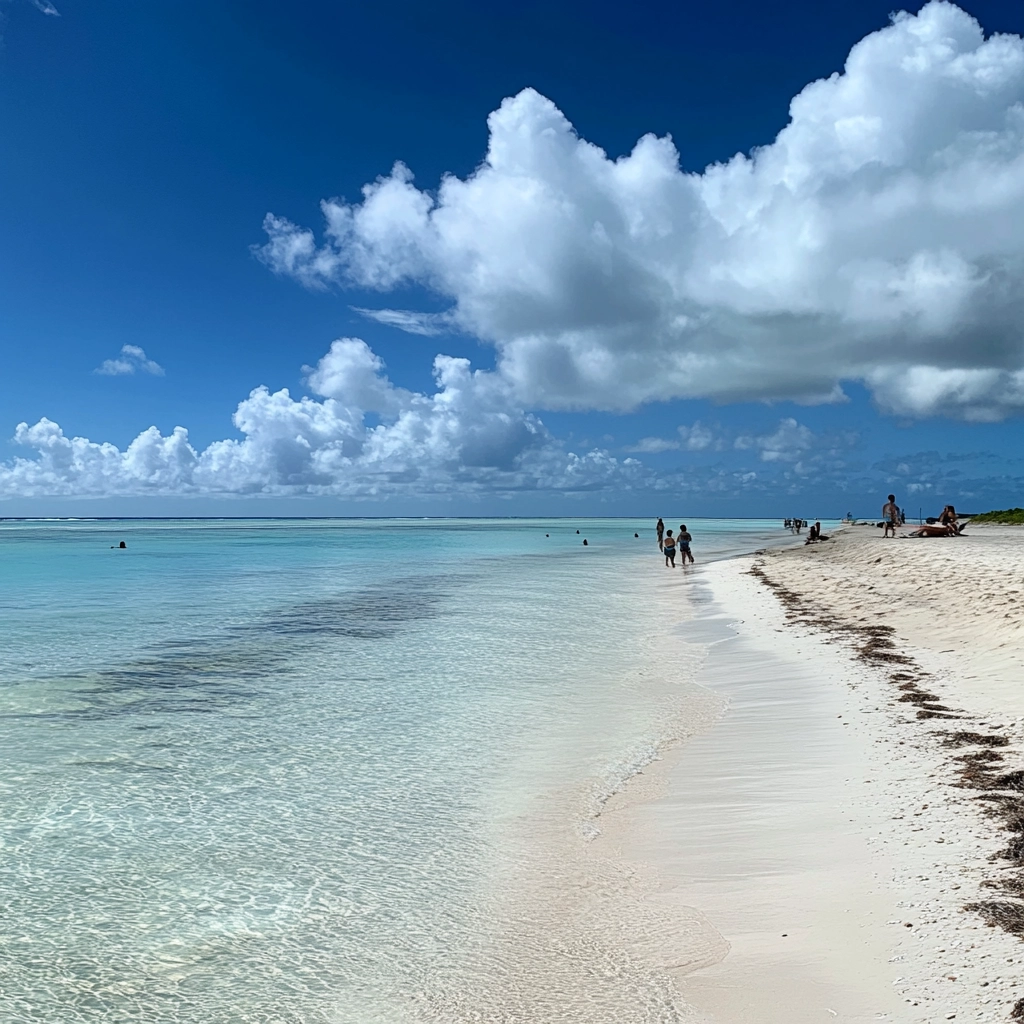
(684,544)
(891,515)
(661,533)
(669,547)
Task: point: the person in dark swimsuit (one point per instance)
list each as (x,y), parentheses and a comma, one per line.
(684,544)
(815,535)
(661,533)
(669,548)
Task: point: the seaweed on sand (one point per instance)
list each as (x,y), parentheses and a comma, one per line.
(1001,913)
(981,769)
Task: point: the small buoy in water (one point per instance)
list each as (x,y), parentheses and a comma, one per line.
(584,540)
(547,534)
(636,534)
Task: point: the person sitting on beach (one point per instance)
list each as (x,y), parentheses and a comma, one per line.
(669,547)
(890,515)
(815,535)
(684,544)
(661,532)
(949,518)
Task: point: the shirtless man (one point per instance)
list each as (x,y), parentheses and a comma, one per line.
(891,515)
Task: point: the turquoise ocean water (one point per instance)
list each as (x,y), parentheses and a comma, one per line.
(328,770)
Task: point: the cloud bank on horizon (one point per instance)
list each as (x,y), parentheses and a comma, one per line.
(879,239)
(470,436)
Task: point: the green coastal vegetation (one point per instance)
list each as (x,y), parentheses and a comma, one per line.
(1014,516)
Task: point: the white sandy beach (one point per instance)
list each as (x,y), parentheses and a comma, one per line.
(822,826)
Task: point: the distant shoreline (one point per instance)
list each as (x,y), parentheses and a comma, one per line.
(415,519)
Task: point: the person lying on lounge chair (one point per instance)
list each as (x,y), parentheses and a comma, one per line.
(936,530)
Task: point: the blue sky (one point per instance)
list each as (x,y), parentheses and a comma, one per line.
(796,332)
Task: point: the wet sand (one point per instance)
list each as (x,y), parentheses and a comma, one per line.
(852,827)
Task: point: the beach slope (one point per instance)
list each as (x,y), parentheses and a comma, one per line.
(853,825)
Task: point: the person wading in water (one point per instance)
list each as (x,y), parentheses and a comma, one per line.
(684,544)
(669,547)
(661,534)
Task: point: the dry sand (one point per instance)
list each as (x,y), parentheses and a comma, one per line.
(958,600)
(853,826)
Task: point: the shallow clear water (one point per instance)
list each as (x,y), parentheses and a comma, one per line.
(328,770)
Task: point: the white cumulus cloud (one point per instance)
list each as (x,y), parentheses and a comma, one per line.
(356,436)
(131,360)
(695,438)
(879,238)
(787,443)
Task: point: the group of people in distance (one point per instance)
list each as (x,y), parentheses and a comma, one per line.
(815,534)
(669,545)
(947,525)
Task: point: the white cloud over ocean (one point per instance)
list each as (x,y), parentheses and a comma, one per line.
(359,437)
(469,436)
(878,239)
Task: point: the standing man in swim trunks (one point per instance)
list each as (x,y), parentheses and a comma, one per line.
(684,544)
(661,534)
(891,515)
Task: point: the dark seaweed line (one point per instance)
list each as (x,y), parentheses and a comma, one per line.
(982,769)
